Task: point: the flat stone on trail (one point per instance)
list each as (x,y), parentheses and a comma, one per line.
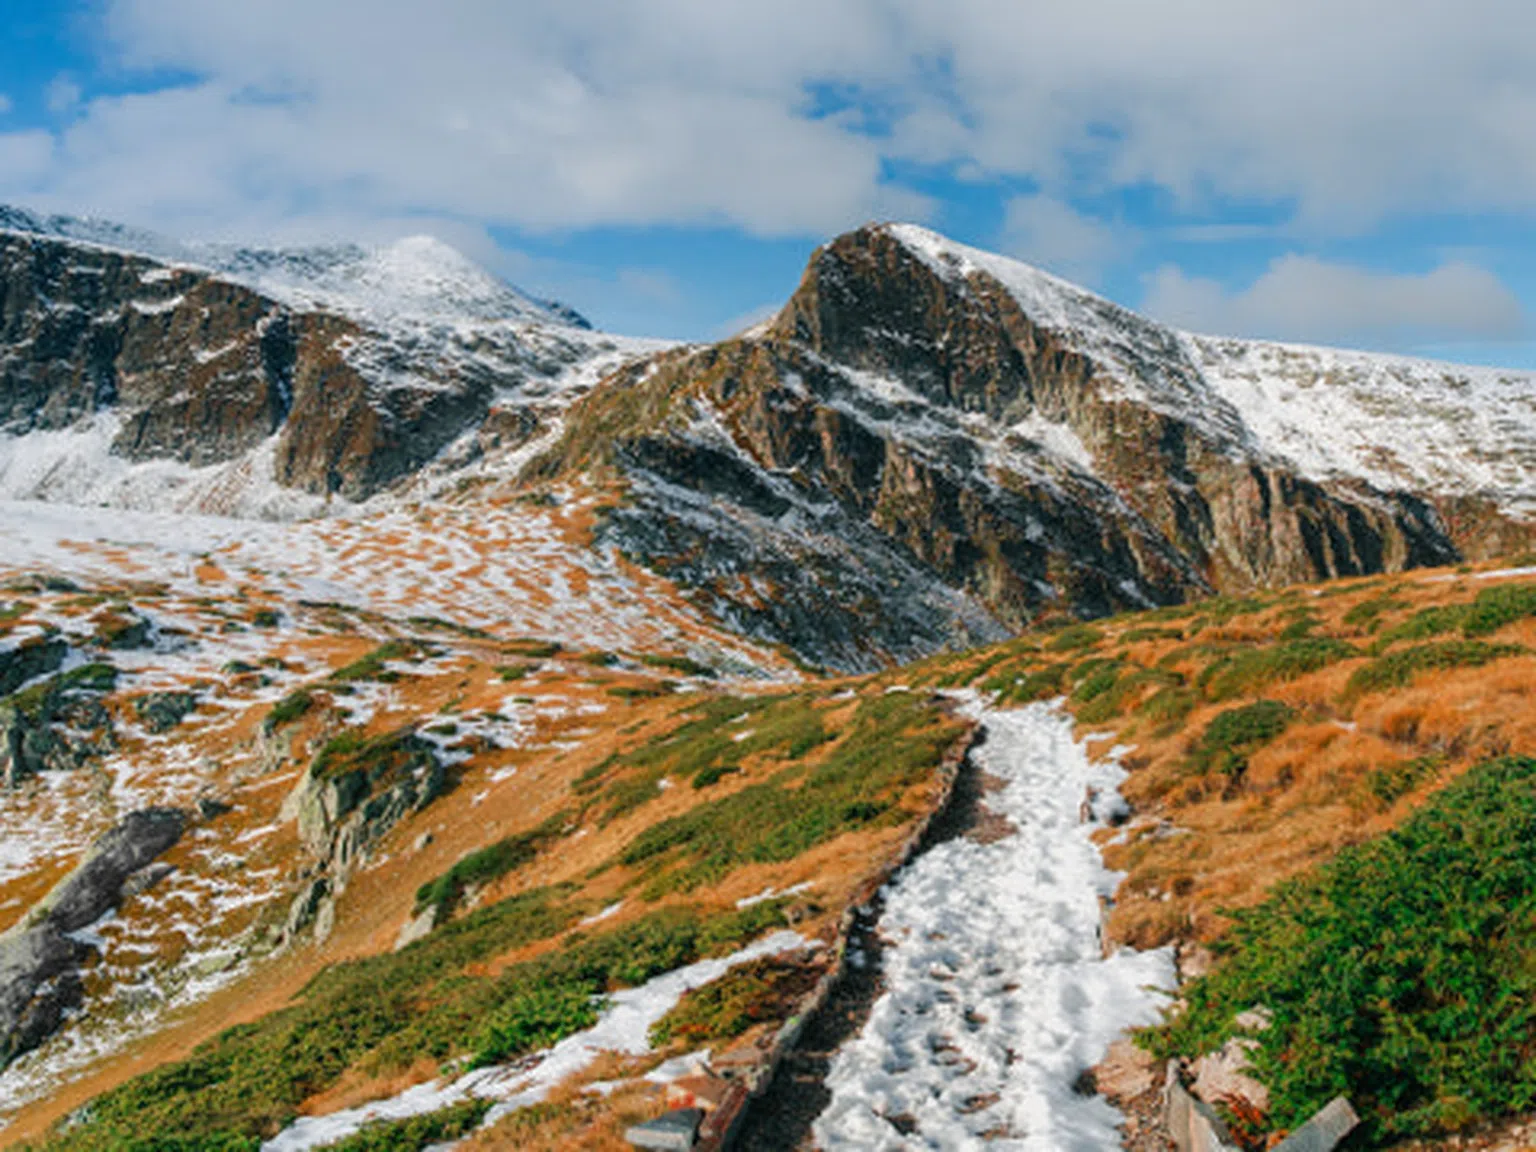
(673,1130)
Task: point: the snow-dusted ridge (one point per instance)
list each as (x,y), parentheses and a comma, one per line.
(415,278)
(1393,421)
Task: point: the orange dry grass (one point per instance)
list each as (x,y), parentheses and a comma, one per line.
(1207,844)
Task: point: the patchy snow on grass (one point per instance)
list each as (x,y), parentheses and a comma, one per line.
(997,993)
(624,1027)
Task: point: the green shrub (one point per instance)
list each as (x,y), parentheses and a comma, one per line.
(371,666)
(486,865)
(288,709)
(766,989)
(1232,736)
(722,733)
(1400,974)
(1249,670)
(1498,606)
(1074,638)
(892,741)
(388,1011)
(415,1132)
(679,664)
(1387,784)
(1397,669)
(1042,684)
(1367,614)
(532,649)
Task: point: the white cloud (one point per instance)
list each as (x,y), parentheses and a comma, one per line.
(1305,299)
(62,95)
(5,104)
(1058,238)
(547,114)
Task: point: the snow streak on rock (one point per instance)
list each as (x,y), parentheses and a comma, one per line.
(997,993)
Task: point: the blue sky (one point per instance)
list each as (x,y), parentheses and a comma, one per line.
(1344,172)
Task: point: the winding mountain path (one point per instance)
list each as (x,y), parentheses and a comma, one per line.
(997,995)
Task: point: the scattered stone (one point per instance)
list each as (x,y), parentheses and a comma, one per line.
(675,1131)
(162,711)
(1126,1071)
(1191,1123)
(31,658)
(1324,1131)
(418,928)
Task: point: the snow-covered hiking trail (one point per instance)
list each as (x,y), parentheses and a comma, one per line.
(997,995)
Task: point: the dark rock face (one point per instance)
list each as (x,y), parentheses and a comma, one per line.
(826,481)
(196,366)
(869,302)
(202,371)
(39,959)
(162,711)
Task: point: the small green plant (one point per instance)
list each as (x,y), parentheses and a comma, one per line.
(372,666)
(1367,614)
(766,989)
(532,649)
(679,664)
(486,865)
(415,1132)
(1074,638)
(288,709)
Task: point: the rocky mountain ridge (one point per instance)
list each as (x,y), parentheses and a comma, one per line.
(928,446)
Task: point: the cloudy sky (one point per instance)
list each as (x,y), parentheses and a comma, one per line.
(1341,171)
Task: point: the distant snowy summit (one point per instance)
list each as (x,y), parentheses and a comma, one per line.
(416,278)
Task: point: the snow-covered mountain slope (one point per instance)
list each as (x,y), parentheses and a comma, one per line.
(1393,421)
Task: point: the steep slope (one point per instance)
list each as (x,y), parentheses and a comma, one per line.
(928,417)
(261,382)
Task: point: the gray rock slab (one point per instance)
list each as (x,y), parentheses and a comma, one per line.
(1324,1131)
(676,1131)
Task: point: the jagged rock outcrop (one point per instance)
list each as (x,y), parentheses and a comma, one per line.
(32,657)
(202,371)
(56,725)
(40,957)
(351,795)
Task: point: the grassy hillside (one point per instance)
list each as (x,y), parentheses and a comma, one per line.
(1299,762)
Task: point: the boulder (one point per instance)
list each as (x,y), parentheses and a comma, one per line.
(40,960)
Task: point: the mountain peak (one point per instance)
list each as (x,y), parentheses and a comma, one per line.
(414,278)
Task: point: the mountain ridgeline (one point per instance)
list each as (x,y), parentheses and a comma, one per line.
(927,447)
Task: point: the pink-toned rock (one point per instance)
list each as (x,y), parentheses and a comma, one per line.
(1126,1072)
(1222,1075)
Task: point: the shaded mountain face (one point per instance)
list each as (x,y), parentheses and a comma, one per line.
(929,446)
(922,419)
(269,386)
